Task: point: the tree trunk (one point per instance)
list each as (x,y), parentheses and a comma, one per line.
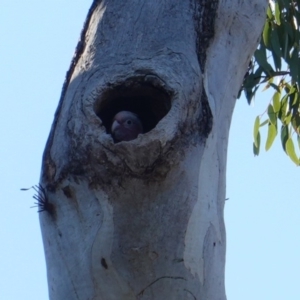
(144,219)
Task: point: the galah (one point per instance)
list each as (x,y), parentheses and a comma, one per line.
(126,126)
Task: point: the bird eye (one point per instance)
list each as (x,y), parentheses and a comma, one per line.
(129,122)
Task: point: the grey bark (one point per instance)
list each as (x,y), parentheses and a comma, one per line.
(144,219)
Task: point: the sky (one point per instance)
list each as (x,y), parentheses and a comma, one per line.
(38,39)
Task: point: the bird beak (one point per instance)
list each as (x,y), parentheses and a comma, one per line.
(114,125)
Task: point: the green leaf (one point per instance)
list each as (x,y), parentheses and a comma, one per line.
(272,115)
(258,72)
(269,13)
(276,102)
(283,110)
(256,148)
(249,94)
(267,34)
(284,135)
(294,65)
(290,31)
(276,64)
(272,132)
(290,150)
(274,86)
(293,97)
(261,58)
(264,123)
(298,82)
(277,13)
(290,89)
(275,49)
(256,131)
(287,118)
(275,41)
(287,35)
(296,122)
(297,16)
(251,81)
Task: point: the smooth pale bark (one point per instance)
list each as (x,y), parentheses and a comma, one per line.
(144,219)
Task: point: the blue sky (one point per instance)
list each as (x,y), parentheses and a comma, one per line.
(262,214)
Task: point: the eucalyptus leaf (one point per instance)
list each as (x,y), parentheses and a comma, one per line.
(294,64)
(287,118)
(272,132)
(283,109)
(277,13)
(284,135)
(256,131)
(267,34)
(261,59)
(276,64)
(276,101)
(269,13)
(256,148)
(272,115)
(264,123)
(290,150)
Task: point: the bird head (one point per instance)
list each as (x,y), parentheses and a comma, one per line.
(126,126)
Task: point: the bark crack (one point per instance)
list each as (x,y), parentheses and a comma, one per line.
(190,293)
(156,280)
(205,15)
